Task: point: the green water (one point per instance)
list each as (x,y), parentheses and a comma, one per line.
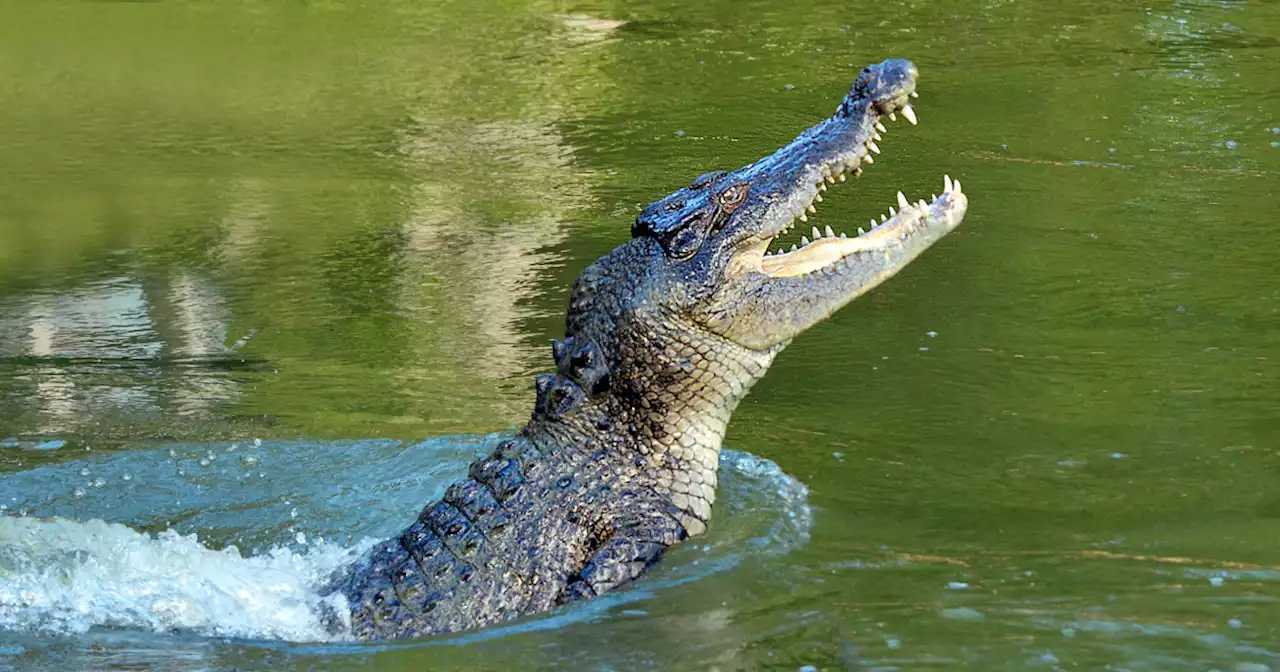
(351,220)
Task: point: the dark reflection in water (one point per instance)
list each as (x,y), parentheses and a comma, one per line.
(1051,442)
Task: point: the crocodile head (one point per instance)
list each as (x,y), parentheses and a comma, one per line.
(717,233)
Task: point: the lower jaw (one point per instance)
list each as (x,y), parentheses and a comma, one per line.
(827,251)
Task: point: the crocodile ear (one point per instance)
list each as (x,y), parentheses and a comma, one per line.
(684,241)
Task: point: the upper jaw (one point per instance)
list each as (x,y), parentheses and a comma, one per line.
(835,148)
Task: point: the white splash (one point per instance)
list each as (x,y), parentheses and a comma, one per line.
(63,576)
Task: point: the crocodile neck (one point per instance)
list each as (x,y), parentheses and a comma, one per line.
(651,390)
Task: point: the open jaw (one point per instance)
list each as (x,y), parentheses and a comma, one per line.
(846,142)
(829,249)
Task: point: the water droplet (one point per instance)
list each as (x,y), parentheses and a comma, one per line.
(962,614)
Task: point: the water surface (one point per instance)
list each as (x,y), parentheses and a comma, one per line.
(343,228)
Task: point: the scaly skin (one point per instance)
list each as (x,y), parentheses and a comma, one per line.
(665,335)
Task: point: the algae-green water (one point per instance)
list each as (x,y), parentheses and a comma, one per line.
(272,272)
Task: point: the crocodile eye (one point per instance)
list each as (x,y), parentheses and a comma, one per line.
(733,197)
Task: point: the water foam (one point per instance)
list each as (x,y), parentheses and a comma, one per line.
(64,570)
(62,576)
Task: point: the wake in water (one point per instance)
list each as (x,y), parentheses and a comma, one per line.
(62,576)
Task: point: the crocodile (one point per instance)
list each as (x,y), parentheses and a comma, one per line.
(664,337)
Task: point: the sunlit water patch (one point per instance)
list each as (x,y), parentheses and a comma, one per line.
(238,539)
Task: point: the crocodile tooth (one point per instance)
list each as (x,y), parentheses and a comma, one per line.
(868,159)
(957,183)
(880,127)
(893,117)
(831,179)
(871,145)
(902,201)
(933,197)
(816,233)
(817,197)
(822,186)
(892,212)
(861,232)
(915,94)
(885,218)
(857,172)
(830,233)
(793,247)
(804,240)
(810,208)
(804,217)
(873,223)
(910,114)
(946,183)
(842,235)
(842,177)
(876,137)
